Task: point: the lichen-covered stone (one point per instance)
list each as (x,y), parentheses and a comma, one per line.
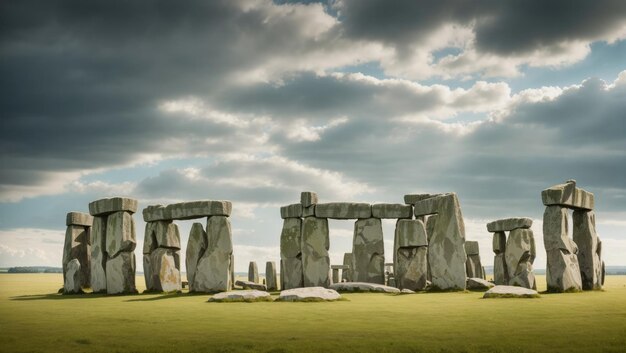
(519,255)
(72,283)
(568,195)
(500,271)
(510,292)
(562,269)
(446,250)
(98,255)
(478,284)
(120,274)
(165,270)
(410,255)
(508,224)
(253,272)
(415,198)
(589,249)
(213,270)
(242,296)
(346,273)
(343,210)
(107,206)
(251,285)
(311,294)
(392,210)
(368,251)
(315,259)
(78,219)
(363,287)
(77,240)
(308,198)
(291,211)
(270,275)
(291,253)
(196,246)
(187,210)
(120,233)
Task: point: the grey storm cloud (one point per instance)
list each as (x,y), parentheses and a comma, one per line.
(502,27)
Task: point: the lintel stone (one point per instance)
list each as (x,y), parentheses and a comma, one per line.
(392,210)
(291,211)
(508,224)
(79,219)
(343,210)
(111,205)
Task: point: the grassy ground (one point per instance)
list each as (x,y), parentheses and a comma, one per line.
(33,318)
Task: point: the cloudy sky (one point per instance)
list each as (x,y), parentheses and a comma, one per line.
(254,101)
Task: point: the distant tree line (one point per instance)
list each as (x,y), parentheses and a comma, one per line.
(35,269)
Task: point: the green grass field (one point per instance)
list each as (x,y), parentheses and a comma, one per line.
(33,318)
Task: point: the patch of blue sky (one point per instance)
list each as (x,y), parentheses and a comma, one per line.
(371,68)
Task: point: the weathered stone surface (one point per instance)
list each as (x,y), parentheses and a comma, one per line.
(568,195)
(510,292)
(508,224)
(308,211)
(120,233)
(410,255)
(291,211)
(589,249)
(472,248)
(392,210)
(163,234)
(196,246)
(187,210)
(104,207)
(270,275)
(242,296)
(309,294)
(251,285)
(473,267)
(519,255)
(363,287)
(308,198)
(446,250)
(407,291)
(147,272)
(291,253)
(120,273)
(72,281)
(165,270)
(415,198)
(430,225)
(346,274)
(253,272)
(336,276)
(368,251)
(500,271)
(98,255)
(149,237)
(499,242)
(562,269)
(343,210)
(478,284)
(77,239)
(315,259)
(78,219)
(213,270)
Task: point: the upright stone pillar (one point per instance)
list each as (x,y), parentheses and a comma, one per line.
(196,246)
(520,254)
(346,274)
(562,270)
(162,257)
(500,271)
(77,246)
(270,275)
(291,253)
(315,245)
(411,255)
(253,272)
(113,243)
(473,266)
(589,249)
(213,272)
(368,251)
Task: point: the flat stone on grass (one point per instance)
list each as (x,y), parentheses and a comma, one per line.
(479,284)
(251,285)
(247,296)
(510,292)
(363,287)
(308,294)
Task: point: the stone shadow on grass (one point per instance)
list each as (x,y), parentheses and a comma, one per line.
(57,296)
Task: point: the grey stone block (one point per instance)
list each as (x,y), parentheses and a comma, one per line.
(508,224)
(392,210)
(308,198)
(104,207)
(343,210)
(291,211)
(78,219)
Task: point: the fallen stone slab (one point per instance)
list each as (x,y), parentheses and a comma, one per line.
(343,210)
(407,291)
(568,195)
(308,198)
(508,224)
(308,294)
(291,211)
(187,210)
(363,287)
(479,284)
(392,210)
(415,198)
(115,204)
(510,292)
(78,219)
(241,296)
(251,285)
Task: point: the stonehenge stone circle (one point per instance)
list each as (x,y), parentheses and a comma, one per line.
(77,245)
(113,241)
(563,270)
(72,279)
(253,272)
(410,255)
(315,245)
(270,275)
(473,265)
(513,261)
(368,251)
(446,249)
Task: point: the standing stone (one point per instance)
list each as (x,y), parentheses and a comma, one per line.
(430,226)
(98,255)
(291,254)
(520,255)
(253,272)
(213,270)
(77,247)
(196,246)
(308,198)
(346,274)
(473,266)
(336,277)
(500,271)
(446,250)
(589,251)
(411,255)
(368,251)
(315,259)
(270,275)
(72,281)
(562,270)
(165,270)
(120,273)
(147,272)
